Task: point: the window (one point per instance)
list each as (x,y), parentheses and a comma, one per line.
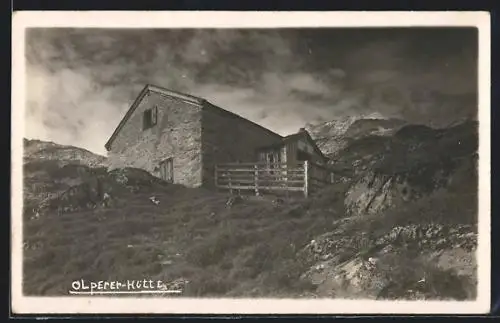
(150,117)
(303,156)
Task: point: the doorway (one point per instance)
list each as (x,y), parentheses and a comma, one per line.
(167,170)
(273,161)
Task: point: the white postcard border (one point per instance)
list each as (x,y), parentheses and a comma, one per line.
(219,19)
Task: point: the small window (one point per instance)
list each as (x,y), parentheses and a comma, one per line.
(150,118)
(303,156)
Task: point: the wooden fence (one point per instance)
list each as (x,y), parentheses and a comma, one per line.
(306,177)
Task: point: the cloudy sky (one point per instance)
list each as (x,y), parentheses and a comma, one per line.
(80,82)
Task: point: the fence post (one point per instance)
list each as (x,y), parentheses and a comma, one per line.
(230,184)
(306,178)
(287,190)
(256,179)
(216,173)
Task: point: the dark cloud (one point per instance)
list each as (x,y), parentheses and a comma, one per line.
(81,81)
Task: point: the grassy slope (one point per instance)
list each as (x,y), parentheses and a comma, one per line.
(250,249)
(218,249)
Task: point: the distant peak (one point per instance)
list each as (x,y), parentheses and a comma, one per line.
(374,115)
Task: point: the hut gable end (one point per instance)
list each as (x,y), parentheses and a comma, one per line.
(148,89)
(160,127)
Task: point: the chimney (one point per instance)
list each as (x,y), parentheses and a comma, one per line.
(302,130)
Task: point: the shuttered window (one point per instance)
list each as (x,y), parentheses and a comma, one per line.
(150,117)
(154,114)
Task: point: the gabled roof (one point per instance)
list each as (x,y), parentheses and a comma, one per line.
(296,136)
(305,134)
(177,95)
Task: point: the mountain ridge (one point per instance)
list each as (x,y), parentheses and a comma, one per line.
(35,149)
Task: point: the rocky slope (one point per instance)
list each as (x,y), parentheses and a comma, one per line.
(412,163)
(50,169)
(38,150)
(412,197)
(401,222)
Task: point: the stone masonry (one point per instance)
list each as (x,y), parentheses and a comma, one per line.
(177,134)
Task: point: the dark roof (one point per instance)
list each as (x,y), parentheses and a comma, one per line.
(238,117)
(178,95)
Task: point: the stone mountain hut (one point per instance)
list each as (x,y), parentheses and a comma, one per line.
(181,138)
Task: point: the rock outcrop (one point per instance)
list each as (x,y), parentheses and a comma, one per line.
(406,262)
(49,169)
(409,165)
(101,189)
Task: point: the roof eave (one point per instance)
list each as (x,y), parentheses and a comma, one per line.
(126,116)
(177,95)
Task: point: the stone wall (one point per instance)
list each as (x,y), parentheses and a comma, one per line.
(177,134)
(227,138)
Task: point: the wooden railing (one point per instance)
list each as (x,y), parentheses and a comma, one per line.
(306,177)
